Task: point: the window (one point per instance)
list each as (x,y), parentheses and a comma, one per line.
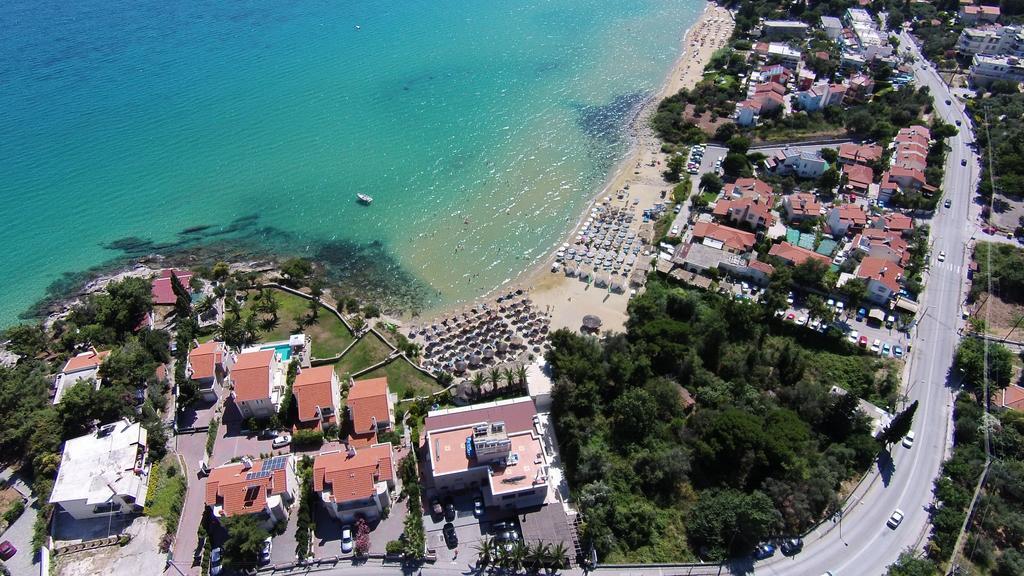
(509,497)
(106,508)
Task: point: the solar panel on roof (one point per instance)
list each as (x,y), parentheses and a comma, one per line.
(258,475)
(276,463)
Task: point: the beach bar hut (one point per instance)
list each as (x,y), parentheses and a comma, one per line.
(591,323)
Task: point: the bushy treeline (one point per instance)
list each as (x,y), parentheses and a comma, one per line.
(1005,264)
(763,452)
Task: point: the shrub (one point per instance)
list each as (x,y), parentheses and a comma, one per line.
(394,547)
(14,512)
(307,439)
(362,538)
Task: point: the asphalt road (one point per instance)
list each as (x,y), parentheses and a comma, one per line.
(864,544)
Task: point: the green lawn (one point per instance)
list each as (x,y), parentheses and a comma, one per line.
(329,335)
(367,352)
(166,492)
(404,379)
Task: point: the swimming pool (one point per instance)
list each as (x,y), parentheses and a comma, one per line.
(284,351)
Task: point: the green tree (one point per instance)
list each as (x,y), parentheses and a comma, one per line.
(296,270)
(829,180)
(830,155)
(970,360)
(817,308)
(728,522)
(738,144)
(674,167)
(810,273)
(909,564)
(711,183)
(128,365)
(899,426)
(736,165)
(245,541)
(854,291)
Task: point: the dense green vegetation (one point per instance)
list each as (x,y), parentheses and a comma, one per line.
(1003,139)
(166,494)
(1006,271)
(764,453)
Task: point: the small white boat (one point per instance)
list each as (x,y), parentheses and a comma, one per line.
(358,27)
(364,199)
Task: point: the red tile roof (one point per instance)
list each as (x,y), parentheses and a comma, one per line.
(730,237)
(353,477)
(313,388)
(85,361)
(205,358)
(853,214)
(368,400)
(803,204)
(860,153)
(229,487)
(881,270)
(795,254)
(858,175)
(763,267)
(898,222)
(163,292)
(770,87)
(1011,397)
(251,375)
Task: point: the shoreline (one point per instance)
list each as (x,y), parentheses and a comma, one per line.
(554,292)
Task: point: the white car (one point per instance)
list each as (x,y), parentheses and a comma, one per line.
(908,440)
(674,231)
(853,337)
(895,519)
(802,320)
(942,256)
(281,441)
(215,562)
(876,346)
(346,539)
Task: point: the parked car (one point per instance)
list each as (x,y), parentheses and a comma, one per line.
(215,561)
(764,550)
(268,547)
(895,519)
(792,546)
(435,508)
(450,538)
(885,349)
(908,440)
(897,352)
(346,539)
(449,510)
(478,507)
(853,337)
(7,550)
(281,441)
(863,342)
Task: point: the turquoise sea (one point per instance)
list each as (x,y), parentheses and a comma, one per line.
(480,129)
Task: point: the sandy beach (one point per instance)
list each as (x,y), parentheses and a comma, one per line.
(568,299)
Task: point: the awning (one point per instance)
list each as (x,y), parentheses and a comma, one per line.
(907,305)
(877,314)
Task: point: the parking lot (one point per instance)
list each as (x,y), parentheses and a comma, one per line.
(857,327)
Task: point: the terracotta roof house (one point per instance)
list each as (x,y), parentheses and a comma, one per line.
(858,178)
(747,188)
(883,278)
(317,396)
(974,14)
(801,206)
(770,87)
(895,222)
(208,366)
(724,237)
(845,218)
(163,292)
(259,380)
(84,366)
(796,255)
(370,408)
(917,134)
(755,212)
(494,447)
(1011,397)
(850,153)
(356,482)
(881,244)
(262,487)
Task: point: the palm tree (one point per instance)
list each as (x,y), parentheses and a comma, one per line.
(229,330)
(509,377)
(314,309)
(557,556)
(268,303)
(478,383)
(205,304)
(536,556)
(233,306)
(250,330)
(495,377)
(517,555)
(485,552)
(521,375)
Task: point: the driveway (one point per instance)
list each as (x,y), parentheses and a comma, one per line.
(20,534)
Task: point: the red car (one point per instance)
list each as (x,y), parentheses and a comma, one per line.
(7,550)
(863,341)
(790,316)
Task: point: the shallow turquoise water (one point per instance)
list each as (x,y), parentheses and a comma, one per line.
(478,127)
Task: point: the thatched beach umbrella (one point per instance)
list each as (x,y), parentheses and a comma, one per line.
(591,322)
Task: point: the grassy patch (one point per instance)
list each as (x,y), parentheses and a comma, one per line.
(367,352)
(668,545)
(166,493)
(405,380)
(871,378)
(329,335)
